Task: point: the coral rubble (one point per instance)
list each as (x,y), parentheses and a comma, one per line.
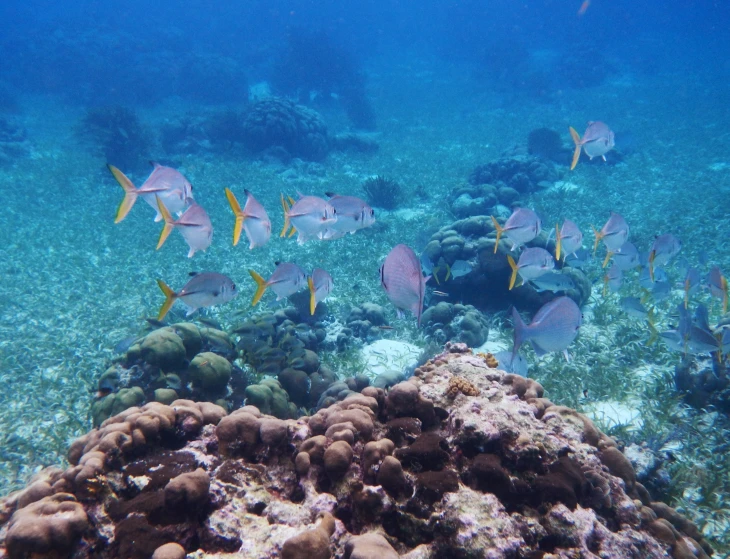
(462,460)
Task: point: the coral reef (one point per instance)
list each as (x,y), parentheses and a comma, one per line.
(419,471)
(547,143)
(483,199)
(524,173)
(118,134)
(364,322)
(445,322)
(279,123)
(487,285)
(180,361)
(382,192)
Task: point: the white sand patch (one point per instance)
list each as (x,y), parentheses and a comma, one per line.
(611,414)
(719,166)
(565,186)
(389,355)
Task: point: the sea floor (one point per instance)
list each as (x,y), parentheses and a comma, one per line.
(74,284)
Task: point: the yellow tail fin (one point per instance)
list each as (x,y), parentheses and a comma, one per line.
(238,212)
(448,272)
(170,297)
(512,265)
(312,300)
(260,289)
(576,154)
(599,236)
(558,242)
(286,208)
(499,230)
(609,254)
(130,193)
(169,223)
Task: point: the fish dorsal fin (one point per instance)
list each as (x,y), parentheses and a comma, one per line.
(155,164)
(330,194)
(191,274)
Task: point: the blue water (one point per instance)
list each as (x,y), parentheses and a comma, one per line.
(440,87)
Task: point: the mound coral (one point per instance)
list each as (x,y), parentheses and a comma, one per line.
(524,173)
(279,123)
(487,285)
(418,471)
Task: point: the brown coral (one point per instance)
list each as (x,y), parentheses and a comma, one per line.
(489,359)
(461,385)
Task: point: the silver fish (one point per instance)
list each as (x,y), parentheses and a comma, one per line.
(401,277)
(287,279)
(352,213)
(663,249)
(553,281)
(205,289)
(597,141)
(520,228)
(309,217)
(614,233)
(194,225)
(167,183)
(569,238)
(533,263)
(553,328)
(320,284)
(634,308)
(252,218)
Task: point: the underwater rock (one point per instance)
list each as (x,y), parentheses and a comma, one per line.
(445,322)
(163,348)
(482,199)
(113,404)
(210,372)
(364,321)
(275,122)
(524,173)
(271,398)
(499,469)
(547,143)
(118,134)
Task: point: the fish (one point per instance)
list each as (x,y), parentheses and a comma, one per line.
(634,308)
(690,284)
(287,279)
(194,225)
(660,276)
(579,259)
(403,281)
(552,281)
(456,270)
(533,263)
(663,249)
(205,289)
(169,184)
(520,228)
(702,317)
(252,218)
(569,238)
(725,340)
(701,341)
(626,257)
(309,217)
(597,141)
(439,293)
(352,213)
(553,328)
(614,233)
(320,284)
(510,364)
(584,7)
(612,279)
(718,286)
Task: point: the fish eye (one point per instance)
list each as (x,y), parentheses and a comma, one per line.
(233,286)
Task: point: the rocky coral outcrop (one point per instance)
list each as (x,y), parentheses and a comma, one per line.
(486,286)
(420,471)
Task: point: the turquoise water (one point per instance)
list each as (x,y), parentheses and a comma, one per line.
(74,284)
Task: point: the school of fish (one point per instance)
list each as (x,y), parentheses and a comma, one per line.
(552,329)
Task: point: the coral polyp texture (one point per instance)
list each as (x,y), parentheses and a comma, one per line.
(462,460)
